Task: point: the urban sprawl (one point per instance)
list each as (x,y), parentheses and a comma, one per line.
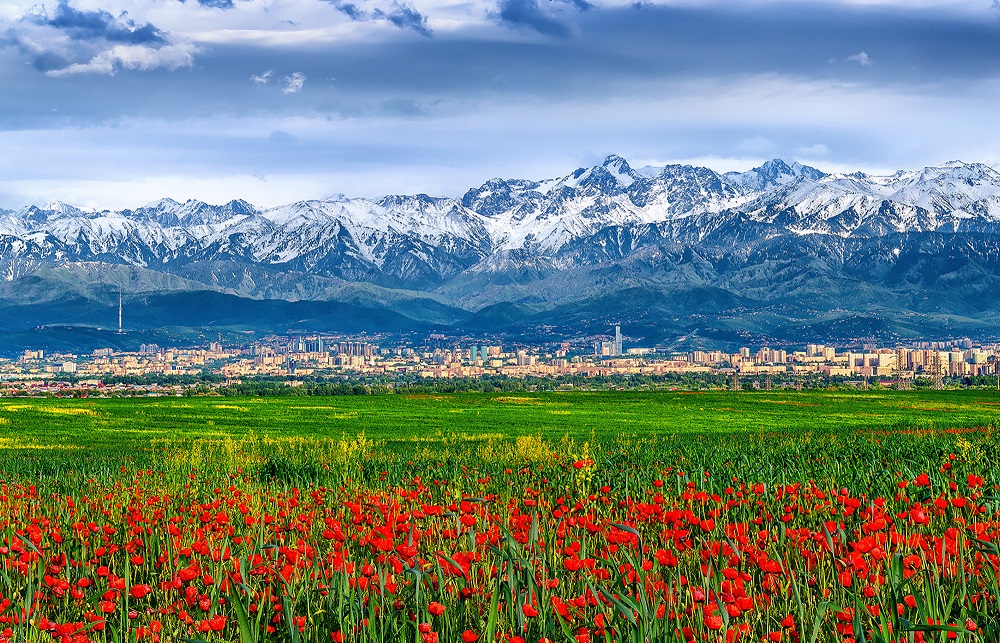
(155,369)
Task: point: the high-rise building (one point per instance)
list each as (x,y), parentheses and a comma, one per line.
(355,349)
(618,340)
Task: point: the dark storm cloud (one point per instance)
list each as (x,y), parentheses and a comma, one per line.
(100,24)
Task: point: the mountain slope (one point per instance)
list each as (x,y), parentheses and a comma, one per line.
(784,245)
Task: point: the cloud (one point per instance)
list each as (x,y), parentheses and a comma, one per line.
(133,58)
(862,58)
(812,151)
(214,4)
(294,83)
(405,16)
(75,41)
(401,15)
(262,78)
(217,4)
(487,96)
(528,14)
(100,24)
(351,10)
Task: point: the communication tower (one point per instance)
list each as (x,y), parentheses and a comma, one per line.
(121,331)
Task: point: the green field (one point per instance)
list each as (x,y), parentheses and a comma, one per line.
(132,423)
(302,439)
(512,518)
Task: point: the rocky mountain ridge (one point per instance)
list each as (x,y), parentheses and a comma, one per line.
(777,234)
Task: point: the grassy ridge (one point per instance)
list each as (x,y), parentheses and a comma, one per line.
(130,423)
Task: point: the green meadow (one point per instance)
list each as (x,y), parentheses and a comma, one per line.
(134,424)
(318,519)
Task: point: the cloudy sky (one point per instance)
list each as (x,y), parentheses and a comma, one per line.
(114,103)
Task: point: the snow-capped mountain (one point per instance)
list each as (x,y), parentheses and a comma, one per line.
(517,239)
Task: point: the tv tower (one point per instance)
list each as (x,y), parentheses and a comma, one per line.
(120,331)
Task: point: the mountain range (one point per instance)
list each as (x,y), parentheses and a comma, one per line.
(679,255)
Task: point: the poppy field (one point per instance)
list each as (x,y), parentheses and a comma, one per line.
(825,528)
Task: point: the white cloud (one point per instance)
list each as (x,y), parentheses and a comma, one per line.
(70,40)
(262,79)
(294,83)
(812,151)
(132,57)
(862,58)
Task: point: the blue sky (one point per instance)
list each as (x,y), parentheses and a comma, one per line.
(114,103)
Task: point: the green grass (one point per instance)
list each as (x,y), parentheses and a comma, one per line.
(797,477)
(133,423)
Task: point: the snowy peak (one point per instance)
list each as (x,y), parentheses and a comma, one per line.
(953,188)
(497,196)
(422,239)
(619,168)
(611,177)
(166,204)
(170,213)
(52,210)
(64,209)
(414,202)
(773,173)
(957,172)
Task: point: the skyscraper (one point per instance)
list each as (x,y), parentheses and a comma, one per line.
(618,339)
